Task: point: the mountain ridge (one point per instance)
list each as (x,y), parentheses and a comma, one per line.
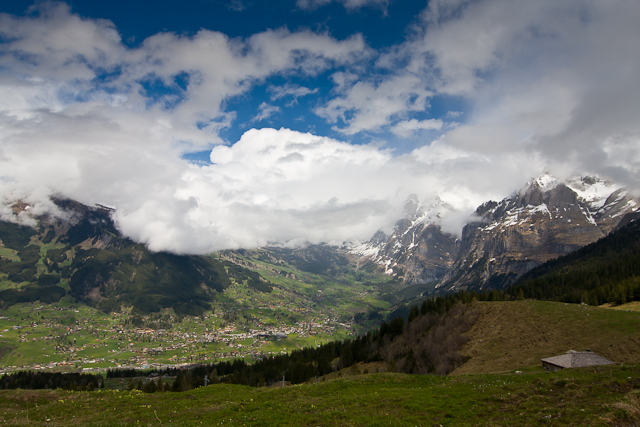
(81,251)
(544,219)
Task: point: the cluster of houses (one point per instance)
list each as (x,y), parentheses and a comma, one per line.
(144,346)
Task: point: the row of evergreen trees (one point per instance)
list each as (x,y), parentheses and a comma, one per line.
(50,380)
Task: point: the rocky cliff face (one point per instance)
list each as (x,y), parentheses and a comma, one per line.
(544,220)
(417,251)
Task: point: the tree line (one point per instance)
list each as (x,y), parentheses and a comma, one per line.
(50,380)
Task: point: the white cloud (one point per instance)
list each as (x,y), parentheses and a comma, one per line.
(289,90)
(348,4)
(407,128)
(56,58)
(549,86)
(74,119)
(265,111)
(271,186)
(371,105)
(57,44)
(555,78)
(289,187)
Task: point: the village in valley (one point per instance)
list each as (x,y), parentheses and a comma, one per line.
(81,338)
(295,310)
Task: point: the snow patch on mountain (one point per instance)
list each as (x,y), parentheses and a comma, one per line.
(593,190)
(417,250)
(546,182)
(417,215)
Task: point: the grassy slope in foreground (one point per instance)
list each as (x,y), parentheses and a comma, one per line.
(517,334)
(585,397)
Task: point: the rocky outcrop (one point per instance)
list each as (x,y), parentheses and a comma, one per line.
(417,251)
(544,220)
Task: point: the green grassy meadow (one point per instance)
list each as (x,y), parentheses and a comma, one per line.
(512,335)
(33,335)
(487,390)
(580,397)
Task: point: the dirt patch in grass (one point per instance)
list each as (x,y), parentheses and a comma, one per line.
(354,370)
(630,306)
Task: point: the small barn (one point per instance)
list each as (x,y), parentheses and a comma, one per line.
(574,359)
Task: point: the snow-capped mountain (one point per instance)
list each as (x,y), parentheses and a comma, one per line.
(547,218)
(607,201)
(417,251)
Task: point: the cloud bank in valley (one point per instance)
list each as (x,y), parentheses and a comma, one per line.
(546,85)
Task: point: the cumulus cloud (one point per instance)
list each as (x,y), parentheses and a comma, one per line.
(287,187)
(272,186)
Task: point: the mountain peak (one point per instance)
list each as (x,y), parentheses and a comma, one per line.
(417,251)
(411,207)
(592,189)
(547,218)
(546,182)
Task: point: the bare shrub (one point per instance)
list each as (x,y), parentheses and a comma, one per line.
(431,343)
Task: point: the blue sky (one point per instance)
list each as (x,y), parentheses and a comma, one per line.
(224,124)
(381,24)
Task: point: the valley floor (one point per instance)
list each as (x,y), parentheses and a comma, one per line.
(76,337)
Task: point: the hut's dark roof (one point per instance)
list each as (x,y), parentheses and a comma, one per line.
(577,359)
